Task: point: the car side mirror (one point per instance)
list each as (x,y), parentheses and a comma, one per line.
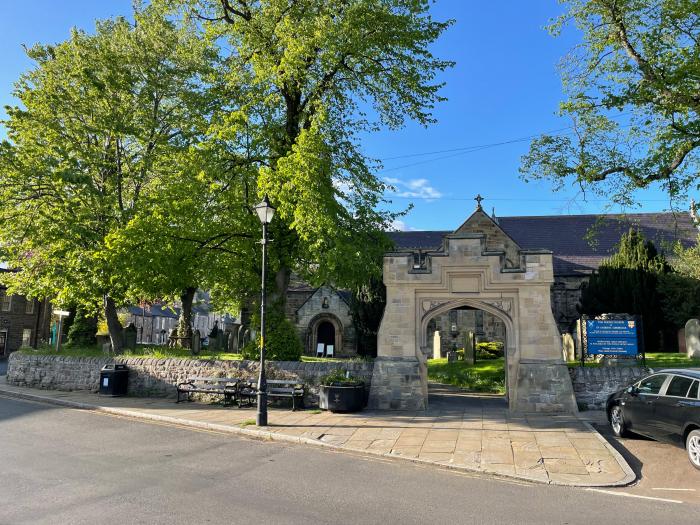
(632,390)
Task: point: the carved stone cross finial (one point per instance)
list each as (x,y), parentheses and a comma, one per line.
(478,200)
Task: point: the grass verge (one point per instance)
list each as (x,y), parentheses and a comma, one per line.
(486,376)
(654,360)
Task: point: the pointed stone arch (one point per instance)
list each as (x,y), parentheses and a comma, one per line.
(481,267)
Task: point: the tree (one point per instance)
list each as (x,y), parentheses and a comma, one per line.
(302,78)
(680,290)
(627,282)
(633,95)
(102,119)
(367,308)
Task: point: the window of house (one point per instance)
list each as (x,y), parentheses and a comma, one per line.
(29,306)
(6,303)
(27,337)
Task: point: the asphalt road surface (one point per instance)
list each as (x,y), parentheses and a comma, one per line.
(62,465)
(663,469)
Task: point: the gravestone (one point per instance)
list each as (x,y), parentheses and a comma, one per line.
(130,334)
(436,345)
(196,342)
(692,338)
(451,356)
(568,349)
(469,348)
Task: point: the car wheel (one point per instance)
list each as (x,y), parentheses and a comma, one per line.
(617,421)
(692,445)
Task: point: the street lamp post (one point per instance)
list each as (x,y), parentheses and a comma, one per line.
(265,213)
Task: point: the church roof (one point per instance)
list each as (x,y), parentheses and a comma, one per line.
(579,242)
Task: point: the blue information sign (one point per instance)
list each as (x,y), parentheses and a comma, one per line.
(611,337)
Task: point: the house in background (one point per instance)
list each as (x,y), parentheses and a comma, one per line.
(23,321)
(155,322)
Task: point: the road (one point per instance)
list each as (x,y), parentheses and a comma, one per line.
(663,469)
(62,465)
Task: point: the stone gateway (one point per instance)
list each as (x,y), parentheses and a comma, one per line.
(478,266)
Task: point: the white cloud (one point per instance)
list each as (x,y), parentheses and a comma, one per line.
(401,226)
(414,188)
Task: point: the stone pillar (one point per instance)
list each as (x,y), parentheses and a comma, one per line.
(400,377)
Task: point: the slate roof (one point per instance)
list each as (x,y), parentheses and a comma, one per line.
(567,236)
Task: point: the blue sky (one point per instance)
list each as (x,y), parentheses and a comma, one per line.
(504,87)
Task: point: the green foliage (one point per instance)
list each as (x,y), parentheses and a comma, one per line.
(83,330)
(486,376)
(680,290)
(104,119)
(340,377)
(296,78)
(282,342)
(634,110)
(489,350)
(367,308)
(627,282)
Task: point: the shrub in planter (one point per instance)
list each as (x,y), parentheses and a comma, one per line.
(340,392)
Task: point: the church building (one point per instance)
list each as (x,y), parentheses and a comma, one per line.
(579,243)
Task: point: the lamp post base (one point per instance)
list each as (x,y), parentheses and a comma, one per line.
(261,415)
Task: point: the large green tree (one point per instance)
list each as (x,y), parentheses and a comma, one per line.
(103,119)
(306,78)
(628,283)
(633,95)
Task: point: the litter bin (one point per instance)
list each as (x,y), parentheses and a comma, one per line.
(113,380)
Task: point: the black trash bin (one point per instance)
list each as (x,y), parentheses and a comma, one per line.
(113,380)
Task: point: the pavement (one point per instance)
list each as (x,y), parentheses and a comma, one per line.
(460,431)
(62,465)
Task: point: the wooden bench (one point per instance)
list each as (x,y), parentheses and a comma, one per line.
(286,389)
(222,386)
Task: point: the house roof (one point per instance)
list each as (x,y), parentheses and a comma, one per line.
(579,242)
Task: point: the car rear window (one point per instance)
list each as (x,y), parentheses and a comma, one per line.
(693,392)
(652,385)
(679,386)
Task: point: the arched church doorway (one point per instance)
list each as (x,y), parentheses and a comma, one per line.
(325,336)
(325,333)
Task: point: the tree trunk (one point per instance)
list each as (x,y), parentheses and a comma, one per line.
(184,324)
(115,328)
(279,294)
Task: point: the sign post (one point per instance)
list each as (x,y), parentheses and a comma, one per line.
(610,337)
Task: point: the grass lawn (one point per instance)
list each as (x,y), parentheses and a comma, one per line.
(485,376)
(656,360)
(157,352)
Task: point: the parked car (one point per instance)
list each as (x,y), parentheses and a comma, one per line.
(664,406)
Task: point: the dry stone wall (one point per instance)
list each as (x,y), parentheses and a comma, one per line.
(159,377)
(592,386)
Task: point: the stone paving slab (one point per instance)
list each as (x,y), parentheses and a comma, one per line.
(462,432)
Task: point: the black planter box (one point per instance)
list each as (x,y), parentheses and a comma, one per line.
(342,398)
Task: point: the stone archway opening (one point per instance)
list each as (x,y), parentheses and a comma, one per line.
(478,339)
(325,329)
(325,333)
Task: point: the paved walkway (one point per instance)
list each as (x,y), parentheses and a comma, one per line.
(461,431)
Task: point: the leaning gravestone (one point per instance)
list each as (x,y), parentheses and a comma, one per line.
(568,348)
(469,348)
(196,342)
(692,338)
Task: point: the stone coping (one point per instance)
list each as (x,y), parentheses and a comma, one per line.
(542,449)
